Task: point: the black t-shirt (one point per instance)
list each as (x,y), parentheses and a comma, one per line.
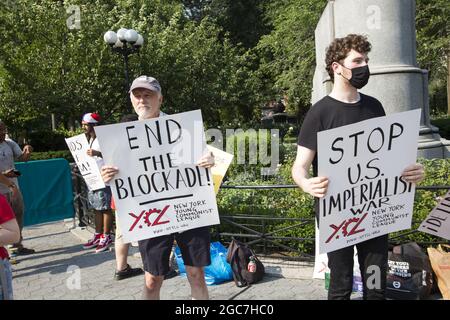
(329,113)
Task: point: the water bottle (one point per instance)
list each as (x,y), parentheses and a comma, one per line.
(251,267)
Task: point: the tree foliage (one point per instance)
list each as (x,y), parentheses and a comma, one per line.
(287,53)
(48,68)
(227,57)
(433,47)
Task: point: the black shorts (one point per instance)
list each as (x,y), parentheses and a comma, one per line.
(194,246)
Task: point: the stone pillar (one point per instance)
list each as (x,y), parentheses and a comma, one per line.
(396,80)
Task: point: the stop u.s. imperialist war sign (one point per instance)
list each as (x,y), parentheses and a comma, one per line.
(366,195)
(159,190)
(78,146)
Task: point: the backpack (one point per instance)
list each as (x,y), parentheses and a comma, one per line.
(410,276)
(238,256)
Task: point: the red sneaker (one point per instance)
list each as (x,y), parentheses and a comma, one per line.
(93,242)
(104,244)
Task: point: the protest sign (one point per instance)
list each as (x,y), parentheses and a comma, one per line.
(438,221)
(366,195)
(222,161)
(78,146)
(321,260)
(159,190)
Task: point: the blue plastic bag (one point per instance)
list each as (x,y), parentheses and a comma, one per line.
(218,271)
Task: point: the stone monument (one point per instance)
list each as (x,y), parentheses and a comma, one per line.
(396,80)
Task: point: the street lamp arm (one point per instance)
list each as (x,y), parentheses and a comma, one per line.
(124,42)
(125,50)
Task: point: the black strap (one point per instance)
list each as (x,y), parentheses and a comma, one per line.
(235,269)
(91,142)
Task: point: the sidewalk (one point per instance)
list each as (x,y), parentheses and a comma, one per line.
(61,269)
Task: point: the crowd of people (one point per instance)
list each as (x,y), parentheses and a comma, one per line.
(347,65)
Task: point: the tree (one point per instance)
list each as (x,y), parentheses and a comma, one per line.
(287,54)
(47,67)
(242,21)
(433,48)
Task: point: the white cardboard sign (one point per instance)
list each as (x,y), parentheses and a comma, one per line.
(78,146)
(366,196)
(438,221)
(159,190)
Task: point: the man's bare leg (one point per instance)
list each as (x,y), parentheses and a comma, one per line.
(121,255)
(196,277)
(98,221)
(108,219)
(152,286)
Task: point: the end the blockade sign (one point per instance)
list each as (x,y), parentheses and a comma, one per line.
(159,190)
(366,195)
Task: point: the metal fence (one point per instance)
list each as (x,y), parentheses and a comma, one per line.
(83,214)
(251,229)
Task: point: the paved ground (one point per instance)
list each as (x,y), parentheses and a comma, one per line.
(61,269)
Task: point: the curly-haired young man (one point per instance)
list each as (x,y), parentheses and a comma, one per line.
(347,64)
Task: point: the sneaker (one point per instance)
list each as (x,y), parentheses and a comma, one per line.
(13,256)
(22,251)
(93,242)
(104,244)
(172,273)
(13,252)
(128,272)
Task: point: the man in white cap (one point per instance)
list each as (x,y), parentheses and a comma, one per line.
(99,200)
(146,98)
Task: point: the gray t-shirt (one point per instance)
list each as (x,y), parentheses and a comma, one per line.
(9,152)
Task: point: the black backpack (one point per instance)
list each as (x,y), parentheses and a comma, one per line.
(238,256)
(410,276)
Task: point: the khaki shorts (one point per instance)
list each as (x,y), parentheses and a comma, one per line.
(119,236)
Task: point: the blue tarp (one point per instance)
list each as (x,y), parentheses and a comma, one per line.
(46,186)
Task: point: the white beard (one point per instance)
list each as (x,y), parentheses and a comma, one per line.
(144,114)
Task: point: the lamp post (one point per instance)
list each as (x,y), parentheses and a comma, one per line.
(124,42)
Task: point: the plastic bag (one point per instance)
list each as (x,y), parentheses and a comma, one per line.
(409,275)
(357,285)
(218,271)
(440,261)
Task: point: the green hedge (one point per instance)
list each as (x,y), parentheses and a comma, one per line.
(52,155)
(47,140)
(294,203)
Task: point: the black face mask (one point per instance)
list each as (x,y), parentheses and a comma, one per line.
(360,76)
